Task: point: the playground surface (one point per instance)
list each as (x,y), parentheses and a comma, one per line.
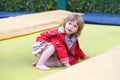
(96,40)
(103,67)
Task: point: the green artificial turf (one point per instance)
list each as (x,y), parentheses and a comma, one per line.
(16,57)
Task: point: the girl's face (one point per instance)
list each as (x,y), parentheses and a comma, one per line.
(71,27)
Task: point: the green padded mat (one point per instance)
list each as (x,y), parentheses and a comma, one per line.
(16,57)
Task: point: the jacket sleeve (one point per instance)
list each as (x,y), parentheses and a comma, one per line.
(75,60)
(81,54)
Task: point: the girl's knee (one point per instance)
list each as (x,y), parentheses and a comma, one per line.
(51,47)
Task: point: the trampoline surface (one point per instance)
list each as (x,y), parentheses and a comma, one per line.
(15,53)
(16,57)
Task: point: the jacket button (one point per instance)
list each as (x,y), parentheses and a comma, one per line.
(57,43)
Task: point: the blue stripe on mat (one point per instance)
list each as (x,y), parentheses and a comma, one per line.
(105,19)
(12,14)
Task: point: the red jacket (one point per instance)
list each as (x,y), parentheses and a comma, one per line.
(63,53)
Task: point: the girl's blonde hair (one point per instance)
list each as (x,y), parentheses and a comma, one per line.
(78,19)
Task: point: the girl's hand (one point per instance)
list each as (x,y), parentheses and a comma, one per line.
(87,57)
(67,64)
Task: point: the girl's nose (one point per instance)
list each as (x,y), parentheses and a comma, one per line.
(71,26)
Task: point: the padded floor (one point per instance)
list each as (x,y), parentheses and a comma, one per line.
(103,67)
(16,57)
(31,23)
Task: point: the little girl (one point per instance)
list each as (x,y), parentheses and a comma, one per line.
(59,46)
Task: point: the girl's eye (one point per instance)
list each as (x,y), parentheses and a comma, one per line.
(69,23)
(75,26)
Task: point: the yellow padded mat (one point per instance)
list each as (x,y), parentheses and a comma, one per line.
(26,24)
(103,67)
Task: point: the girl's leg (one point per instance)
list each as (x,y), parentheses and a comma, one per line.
(51,62)
(44,57)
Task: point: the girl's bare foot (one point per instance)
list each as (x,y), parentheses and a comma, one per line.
(42,67)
